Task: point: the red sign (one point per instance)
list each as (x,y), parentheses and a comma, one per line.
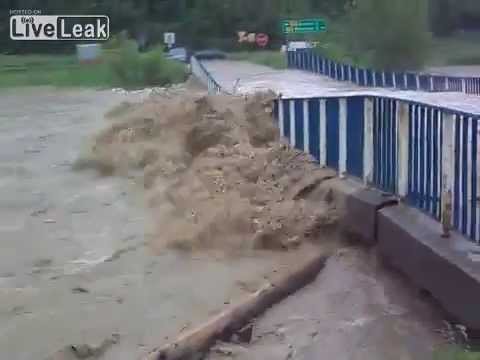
(262,39)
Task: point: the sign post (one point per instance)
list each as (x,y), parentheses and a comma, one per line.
(169,39)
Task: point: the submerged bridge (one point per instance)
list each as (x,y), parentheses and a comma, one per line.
(410,154)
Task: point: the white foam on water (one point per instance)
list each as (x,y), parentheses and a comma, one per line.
(84,264)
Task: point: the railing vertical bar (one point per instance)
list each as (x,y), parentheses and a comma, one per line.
(306,127)
(456,201)
(473,231)
(429,174)
(464,174)
(375,140)
(435,162)
(411,151)
(281,118)
(292,123)
(395,149)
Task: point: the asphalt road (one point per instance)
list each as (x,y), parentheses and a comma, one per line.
(456,70)
(242,78)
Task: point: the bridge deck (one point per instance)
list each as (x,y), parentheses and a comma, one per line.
(243,77)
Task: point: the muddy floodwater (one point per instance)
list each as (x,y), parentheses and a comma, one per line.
(76,268)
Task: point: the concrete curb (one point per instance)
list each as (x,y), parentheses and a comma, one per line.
(362,211)
(359,207)
(411,241)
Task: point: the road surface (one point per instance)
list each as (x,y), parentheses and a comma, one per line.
(243,77)
(456,70)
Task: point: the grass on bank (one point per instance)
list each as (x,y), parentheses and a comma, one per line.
(122,67)
(455,353)
(54,70)
(272,58)
(459,49)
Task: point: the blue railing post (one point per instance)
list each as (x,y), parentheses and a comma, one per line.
(424,155)
(342,141)
(323,133)
(306,127)
(403,148)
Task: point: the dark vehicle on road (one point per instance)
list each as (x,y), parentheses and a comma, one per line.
(178,54)
(210,54)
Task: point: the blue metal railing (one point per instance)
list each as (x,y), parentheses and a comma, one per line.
(465,193)
(396,145)
(306,59)
(202,74)
(425,158)
(385,136)
(363,137)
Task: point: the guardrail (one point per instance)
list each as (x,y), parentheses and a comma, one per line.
(306,59)
(204,76)
(426,155)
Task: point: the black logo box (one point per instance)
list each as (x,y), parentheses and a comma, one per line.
(68,22)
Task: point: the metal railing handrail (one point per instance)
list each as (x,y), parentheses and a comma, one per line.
(307,59)
(201,72)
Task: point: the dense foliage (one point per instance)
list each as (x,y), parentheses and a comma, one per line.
(390,34)
(130,68)
(198,23)
(386,33)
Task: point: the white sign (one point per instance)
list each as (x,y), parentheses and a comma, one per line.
(88,53)
(169,38)
(294,45)
(60,27)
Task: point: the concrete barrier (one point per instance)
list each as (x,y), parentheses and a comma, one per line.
(358,205)
(386,142)
(449,268)
(361,213)
(411,241)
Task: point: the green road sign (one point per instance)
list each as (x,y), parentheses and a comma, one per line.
(303,26)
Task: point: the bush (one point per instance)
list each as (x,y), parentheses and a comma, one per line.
(333,43)
(117,41)
(132,69)
(390,34)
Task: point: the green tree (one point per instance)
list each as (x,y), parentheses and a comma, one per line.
(198,23)
(390,34)
(443,17)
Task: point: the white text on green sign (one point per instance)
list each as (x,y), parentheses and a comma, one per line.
(303,26)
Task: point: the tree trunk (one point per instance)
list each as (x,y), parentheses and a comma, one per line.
(194,344)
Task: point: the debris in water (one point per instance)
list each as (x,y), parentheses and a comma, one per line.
(80,290)
(245,335)
(85,351)
(216,174)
